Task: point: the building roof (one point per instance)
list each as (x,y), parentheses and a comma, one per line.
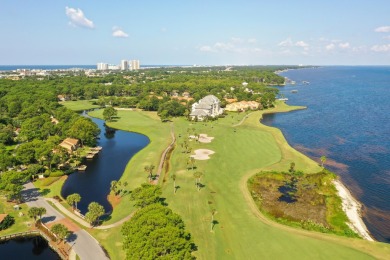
(71,141)
(210,99)
(198,112)
(2,217)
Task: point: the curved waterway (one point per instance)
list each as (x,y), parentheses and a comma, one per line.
(94,184)
(348,121)
(27,248)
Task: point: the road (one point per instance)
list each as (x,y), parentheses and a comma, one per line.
(84,245)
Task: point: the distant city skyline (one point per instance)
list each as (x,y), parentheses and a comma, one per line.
(245,32)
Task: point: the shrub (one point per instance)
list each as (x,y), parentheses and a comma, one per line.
(7,222)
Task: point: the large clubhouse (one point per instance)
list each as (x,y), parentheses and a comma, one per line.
(209,106)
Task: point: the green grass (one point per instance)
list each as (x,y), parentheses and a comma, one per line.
(22,223)
(79,105)
(149,124)
(242,231)
(241,234)
(50,186)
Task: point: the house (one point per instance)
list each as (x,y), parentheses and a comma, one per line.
(2,217)
(63,98)
(209,106)
(186,94)
(70,144)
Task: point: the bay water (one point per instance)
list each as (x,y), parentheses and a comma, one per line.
(348,120)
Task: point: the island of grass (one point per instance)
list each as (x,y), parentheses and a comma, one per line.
(298,199)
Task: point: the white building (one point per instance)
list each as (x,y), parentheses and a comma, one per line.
(102,66)
(209,106)
(124,65)
(113,67)
(134,65)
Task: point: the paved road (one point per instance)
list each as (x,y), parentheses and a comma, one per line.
(85,246)
(32,197)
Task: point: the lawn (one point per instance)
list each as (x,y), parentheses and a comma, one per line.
(241,151)
(22,223)
(241,231)
(79,105)
(149,124)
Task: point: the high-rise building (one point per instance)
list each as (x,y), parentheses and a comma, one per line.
(134,64)
(124,65)
(102,66)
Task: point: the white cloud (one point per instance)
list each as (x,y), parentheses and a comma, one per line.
(117,32)
(383,29)
(330,47)
(381,48)
(235,45)
(344,45)
(387,37)
(302,44)
(77,18)
(252,40)
(206,49)
(237,40)
(286,43)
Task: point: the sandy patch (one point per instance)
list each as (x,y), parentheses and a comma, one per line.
(67,223)
(352,208)
(202,154)
(203,138)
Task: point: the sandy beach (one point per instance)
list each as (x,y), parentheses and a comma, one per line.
(352,209)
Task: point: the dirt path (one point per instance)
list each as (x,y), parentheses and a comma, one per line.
(163,156)
(242,120)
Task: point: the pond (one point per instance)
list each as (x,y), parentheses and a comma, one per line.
(94,183)
(27,248)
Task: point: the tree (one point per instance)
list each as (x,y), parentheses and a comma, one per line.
(192,162)
(323,160)
(213,212)
(85,130)
(155,232)
(149,169)
(95,211)
(114,186)
(33,212)
(145,195)
(197,176)
(109,113)
(292,167)
(41,212)
(174,183)
(60,231)
(73,199)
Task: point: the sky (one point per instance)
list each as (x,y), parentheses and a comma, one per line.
(188,32)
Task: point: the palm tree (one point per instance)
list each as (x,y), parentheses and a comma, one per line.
(60,231)
(33,213)
(192,161)
(73,199)
(323,160)
(197,176)
(41,212)
(174,183)
(213,212)
(149,169)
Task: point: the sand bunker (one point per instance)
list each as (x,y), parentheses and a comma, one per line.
(202,154)
(203,138)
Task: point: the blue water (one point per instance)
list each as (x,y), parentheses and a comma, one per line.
(108,165)
(348,121)
(27,248)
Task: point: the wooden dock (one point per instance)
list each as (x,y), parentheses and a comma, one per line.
(82,168)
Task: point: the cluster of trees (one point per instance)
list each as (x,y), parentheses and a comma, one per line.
(155,231)
(27,109)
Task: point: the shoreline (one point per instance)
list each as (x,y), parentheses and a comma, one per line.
(350,205)
(352,209)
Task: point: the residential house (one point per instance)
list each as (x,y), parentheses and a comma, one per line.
(70,144)
(209,106)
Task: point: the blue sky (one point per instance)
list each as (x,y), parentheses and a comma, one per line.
(333,32)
